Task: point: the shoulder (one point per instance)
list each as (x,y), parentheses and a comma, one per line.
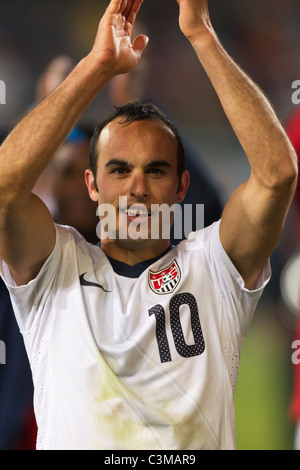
(74,248)
(201,240)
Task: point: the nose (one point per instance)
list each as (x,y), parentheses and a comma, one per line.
(138,186)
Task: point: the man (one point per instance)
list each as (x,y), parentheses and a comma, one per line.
(144,357)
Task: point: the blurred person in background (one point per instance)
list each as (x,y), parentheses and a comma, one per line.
(62,186)
(63,190)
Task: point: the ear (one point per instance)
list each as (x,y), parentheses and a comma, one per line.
(90,182)
(185,181)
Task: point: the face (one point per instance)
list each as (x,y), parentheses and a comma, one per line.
(139,163)
(74,207)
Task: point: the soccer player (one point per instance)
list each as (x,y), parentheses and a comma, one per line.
(134,344)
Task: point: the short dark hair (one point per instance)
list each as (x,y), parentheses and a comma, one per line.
(137,111)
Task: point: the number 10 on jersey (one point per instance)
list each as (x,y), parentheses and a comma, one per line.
(183,349)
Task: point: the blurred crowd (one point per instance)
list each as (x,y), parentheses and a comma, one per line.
(262,36)
(39,45)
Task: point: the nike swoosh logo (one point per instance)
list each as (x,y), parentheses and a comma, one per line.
(84,282)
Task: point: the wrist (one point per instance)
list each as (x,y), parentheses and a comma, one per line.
(97,69)
(204,39)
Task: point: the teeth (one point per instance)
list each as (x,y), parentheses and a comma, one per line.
(136,212)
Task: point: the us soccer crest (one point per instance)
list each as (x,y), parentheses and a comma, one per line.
(166,280)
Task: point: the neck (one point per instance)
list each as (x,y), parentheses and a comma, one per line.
(133,253)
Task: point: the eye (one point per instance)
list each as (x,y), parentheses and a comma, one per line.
(155,171)
(120,171)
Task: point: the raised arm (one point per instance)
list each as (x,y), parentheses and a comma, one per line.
(254,216)
(27,233)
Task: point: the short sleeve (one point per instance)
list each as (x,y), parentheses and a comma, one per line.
(28,299)
(241,300)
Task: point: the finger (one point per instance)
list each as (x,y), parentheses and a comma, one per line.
(128,7)
(114,7)
(123,7)
(132,9)
(140,44)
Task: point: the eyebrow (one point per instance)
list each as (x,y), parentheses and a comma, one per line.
(117,161)
(154,163)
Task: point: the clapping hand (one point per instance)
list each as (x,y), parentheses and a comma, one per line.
(113,46)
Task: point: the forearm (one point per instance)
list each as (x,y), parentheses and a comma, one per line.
(32,144)
(270,154)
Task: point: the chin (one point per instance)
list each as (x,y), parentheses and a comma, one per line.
(140,243)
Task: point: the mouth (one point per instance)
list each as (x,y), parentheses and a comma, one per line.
(134,211)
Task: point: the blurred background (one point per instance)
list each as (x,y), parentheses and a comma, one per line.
(263,36)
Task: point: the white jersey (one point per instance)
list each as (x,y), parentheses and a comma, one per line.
(135,363)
